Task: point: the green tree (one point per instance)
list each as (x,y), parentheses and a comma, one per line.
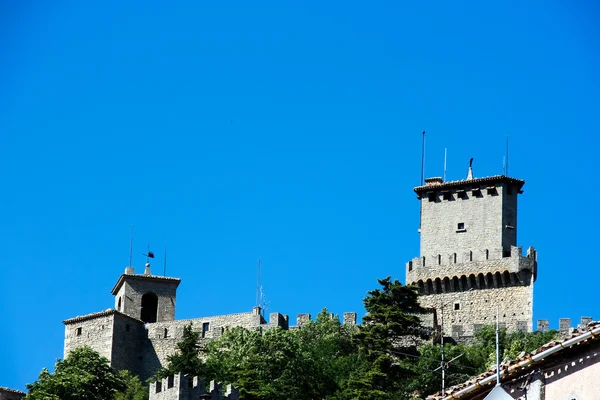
(313,361)
(187,357)
(134,389)
(383,371)
(82,375)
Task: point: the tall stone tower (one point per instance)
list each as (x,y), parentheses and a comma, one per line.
(470,264)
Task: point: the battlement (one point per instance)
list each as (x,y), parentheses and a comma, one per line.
(564,325)
(185,387)
(472,265)
(349,318)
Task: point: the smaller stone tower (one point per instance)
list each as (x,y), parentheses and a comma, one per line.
(146,297)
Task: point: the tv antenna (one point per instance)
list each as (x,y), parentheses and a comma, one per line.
(258,287)
(131,247)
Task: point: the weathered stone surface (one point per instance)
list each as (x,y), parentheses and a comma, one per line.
(469,265)
(11,394)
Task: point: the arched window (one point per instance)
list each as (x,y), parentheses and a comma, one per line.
(119,304)
(149,307)
(438,285)
(455,284)
(447,287)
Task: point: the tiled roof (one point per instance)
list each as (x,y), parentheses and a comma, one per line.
(470,182)
(122,278)
(104,313)
(519,367)
(7,390)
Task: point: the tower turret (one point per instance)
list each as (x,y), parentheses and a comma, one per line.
(147,297)
(469,262)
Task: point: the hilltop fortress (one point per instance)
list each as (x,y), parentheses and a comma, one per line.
(141,331)
(470,265)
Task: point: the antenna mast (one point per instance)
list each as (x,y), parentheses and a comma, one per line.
(258,289)
(131,246)
(506,163)
(423,159)
(445,157)
(165,262)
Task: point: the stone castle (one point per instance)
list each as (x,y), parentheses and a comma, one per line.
(141,331)
(470,266)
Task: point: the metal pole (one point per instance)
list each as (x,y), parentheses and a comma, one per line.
(443,355)
(423,160)
(497,350)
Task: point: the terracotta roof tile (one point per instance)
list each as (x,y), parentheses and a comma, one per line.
(469,182)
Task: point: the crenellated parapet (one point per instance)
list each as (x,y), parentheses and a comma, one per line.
(516,263)
(185,387)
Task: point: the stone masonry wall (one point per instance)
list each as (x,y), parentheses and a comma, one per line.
(465,312)
(482,215)
(415,270)
(128,344)
(183,387)
(10,394)
(132,290)
(95,332)
(164,336)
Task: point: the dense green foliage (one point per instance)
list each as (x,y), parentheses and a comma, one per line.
(82,375)
(134,389)
(312,362)
(186,360)
(390,317)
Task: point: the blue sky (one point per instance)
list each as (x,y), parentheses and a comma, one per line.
(286,132)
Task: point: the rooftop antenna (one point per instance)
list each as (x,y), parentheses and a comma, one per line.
(506,162)
(445,158)
(131,247)
(165,262)
(423,159)
(258,288)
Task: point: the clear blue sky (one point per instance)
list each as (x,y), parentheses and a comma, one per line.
(289,132)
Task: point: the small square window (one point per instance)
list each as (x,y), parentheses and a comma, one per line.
(461,226)
(456,306)
(78,331)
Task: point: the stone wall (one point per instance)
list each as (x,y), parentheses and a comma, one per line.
(94,330)
(415,270)
(465,312)
(131,288)
(183,387)
(462,219)
(128,340)
(11,394)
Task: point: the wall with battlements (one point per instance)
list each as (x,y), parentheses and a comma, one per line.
(141,348)
(184,387)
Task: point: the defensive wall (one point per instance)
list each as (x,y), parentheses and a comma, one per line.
(142,348)
(184,387)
